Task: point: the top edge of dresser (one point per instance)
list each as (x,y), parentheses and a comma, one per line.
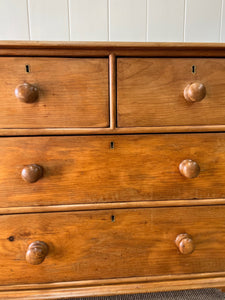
(154,49)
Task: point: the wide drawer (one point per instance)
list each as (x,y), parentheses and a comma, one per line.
(111,244)
(151,91)
(94,169)
(53,92)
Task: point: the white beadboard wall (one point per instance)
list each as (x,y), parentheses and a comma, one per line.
(113,20)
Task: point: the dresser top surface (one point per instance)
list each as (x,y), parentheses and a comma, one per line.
(39,48)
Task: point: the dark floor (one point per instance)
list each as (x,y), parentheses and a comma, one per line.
(203,294)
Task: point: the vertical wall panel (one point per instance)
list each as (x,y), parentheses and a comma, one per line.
(203,20)
(88,20)
(13,20)
(166,20)
(49,20)
(115,20)
(223,22)
(127,20)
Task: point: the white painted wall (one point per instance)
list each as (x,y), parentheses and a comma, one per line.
(113,20)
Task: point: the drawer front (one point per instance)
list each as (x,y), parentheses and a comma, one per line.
(151,91)
(89,245)
(94,169)
(56,92)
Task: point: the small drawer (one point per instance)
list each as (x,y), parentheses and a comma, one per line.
(102,244)
(100,169)
(155,92)
(53,92)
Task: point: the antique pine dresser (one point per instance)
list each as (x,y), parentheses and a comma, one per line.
(112,168)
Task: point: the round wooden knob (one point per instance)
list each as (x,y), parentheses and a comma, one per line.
(195,92)
(189,168)
(32,173)
(26,92)
(184,243)
(36,253)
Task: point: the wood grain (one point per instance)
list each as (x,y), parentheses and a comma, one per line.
(112,90)
(189,168)
(218,276)
(32,173)
(115,289)
(90,245)
(99,49)
(151,92)
(194,92)
(185,243)
(26,92)
(36,252)
(106,131)
(111,213)
(72,92)
(108,205)
(102,169)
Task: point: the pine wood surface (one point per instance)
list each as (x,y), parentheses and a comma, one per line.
(111,208)
(98,49)
(113,289)
(112,244)
(73,92)
(102,169)
(151,91)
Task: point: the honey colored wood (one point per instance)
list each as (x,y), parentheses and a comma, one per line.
(109,205)
(119,243)
(26,93)
(107,131)
(73,92)
(111,51)
(184,243)
(36,252)
(112,82)
(91,245)
(195,92)
(106,169)
(32,173)
(115,281)
(115,289)
(189,168)
(150,92)
(99,49)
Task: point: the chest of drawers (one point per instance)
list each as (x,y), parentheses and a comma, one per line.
(112,168)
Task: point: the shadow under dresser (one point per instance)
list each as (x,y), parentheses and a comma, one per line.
(112,168)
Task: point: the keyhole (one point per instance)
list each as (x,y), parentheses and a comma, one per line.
(27,68)
(193,69)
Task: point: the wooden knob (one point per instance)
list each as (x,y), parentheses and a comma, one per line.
(36,253)
(26,92)
(195,92)
(184,243)
(32,173)
(189,168)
